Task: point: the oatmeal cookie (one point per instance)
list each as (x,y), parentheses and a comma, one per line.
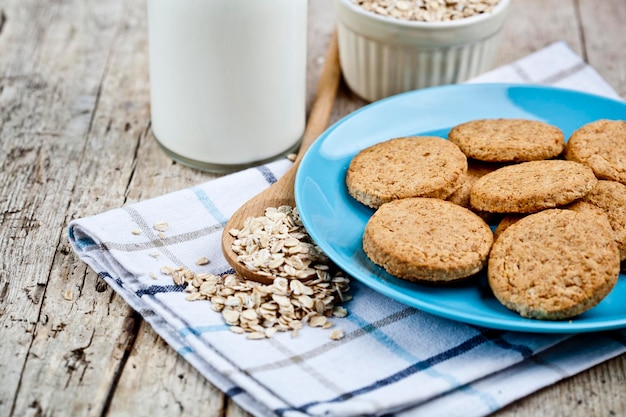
(461,196)
(555,264)
(427,239)
(505,222)
(508,140)
(610,198)
(602,146)
(532,186)
(420,166)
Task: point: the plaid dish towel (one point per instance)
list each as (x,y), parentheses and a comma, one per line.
(393,360)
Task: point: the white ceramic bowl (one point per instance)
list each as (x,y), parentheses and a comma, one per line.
(381,56)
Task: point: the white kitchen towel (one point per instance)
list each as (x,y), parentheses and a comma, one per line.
(393,359)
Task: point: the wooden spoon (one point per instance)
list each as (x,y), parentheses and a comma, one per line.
(282,191)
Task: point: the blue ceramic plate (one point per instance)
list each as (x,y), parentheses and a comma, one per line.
(336,222)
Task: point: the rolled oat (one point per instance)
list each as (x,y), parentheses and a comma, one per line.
(277,244)
(428,10)
(261,310)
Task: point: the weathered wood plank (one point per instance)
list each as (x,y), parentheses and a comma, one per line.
(604,40)
(534,24)
(79,348)
(52,61)
(597,392)
(156,381)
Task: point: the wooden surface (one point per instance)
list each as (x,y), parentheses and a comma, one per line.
(75,141)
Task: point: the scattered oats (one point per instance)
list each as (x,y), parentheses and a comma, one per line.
(152,275)
(336,334)
(237,329)
(161,235)
(167,270)
(285,305)
(249,315)
(317,321)
(270,331)
(194,296)
(276,244)
(136,231)
(178,280)
(231,316)
(428,10)
(202,261)
(155,254)
(306,301)
(161,226)
(178,276)
(68,295)
(251,307)
(340,312)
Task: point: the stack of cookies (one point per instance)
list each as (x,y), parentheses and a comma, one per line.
(558,209)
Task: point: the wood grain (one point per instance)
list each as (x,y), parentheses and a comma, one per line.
(75,140)
(47,103)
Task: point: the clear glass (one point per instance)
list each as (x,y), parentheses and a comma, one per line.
(227,79)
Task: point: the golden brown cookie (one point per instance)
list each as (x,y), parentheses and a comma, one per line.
(461,196)
(532,186)
(505,222)
(427,239)
(475,170)
(508,140)
(554,264)
(420,166)
(602,146)
(610,197)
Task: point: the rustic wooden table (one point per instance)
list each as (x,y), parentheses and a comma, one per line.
(75,140)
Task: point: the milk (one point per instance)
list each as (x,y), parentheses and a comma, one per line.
(227,79)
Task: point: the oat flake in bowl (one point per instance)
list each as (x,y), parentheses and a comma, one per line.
(391,46)
(428,10)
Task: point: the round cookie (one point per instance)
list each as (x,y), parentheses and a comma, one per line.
(505,222)
(508,140)
(461,196)
(602,146)
(475,170)
(420,166)
(532,186)
(555,264)
(427,239)
(610,197)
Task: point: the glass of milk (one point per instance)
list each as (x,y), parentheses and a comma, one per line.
(227,80)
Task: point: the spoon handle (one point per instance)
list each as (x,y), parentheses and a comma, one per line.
(324,99)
